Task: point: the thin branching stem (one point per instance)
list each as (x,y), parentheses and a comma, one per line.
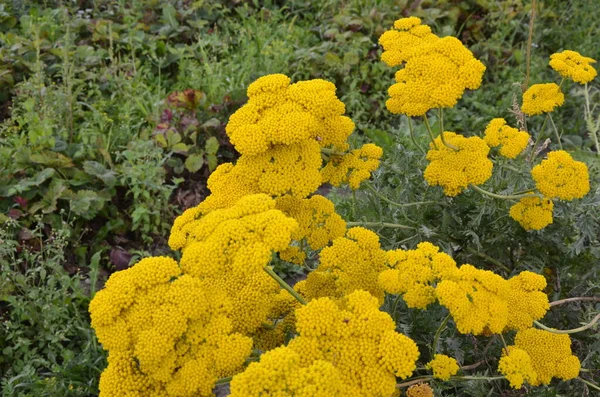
(438,333)
(412,136)
(537,140)
(529,44)
(380,224)
(223,381)
(330,152)
(430,131)
(590,384)
(555,131)
(284,285)
(569,331)
(588,115)
(395,204)
(502,196)
(504,344)
(429,377)
(576,299)
(488,258)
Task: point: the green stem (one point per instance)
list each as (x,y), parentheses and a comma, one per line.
(438,333)
(476,377)
(446,143)
(412,136)
(395,306)
(500,196)
(387,200)
(488,258)
(529,44)
(569,331)
(441,112)
(590,384)
(555,131)
(284,285)
(332,152)
(430,132)
(414,381)
(588,116)
(537,140)
(380,224)
(223,381)
(504,343)
(524,191)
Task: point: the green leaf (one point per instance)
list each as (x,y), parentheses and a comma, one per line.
(212,145)
(194,162)
(101,172)
(86,203)
(52,159)
(212,123)
(212,161)
(48,203)
(173,138)
(351,58)
(181,148)
(380,137)
(161,140)
(25,184)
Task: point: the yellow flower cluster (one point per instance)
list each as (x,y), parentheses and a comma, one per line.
(436,70)
(481,301)
(280,133)
(571,64)
(516,367)
(443,367)
(350,263)
(346,348)
(419,390)
(284,320)
(353,167)
(414,273)
(559,176)
(167,334)
(533,213)
(228,249)
(550,355)
(455,170)
(318,223)
(542,98)
(511,141)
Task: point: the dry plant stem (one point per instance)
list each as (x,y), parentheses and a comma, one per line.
(284,285)
(438,333)
(529,44)
(555,131)
(429,377)
(381,224)
(395,204)
(429,131)
(412,136)
(414,381)
(537,140)
(501,196)
(569,331)
(576,299)
(590,384)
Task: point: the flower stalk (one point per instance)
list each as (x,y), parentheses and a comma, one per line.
(284,285)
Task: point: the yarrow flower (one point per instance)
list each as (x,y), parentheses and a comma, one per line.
(550,354)
(571,64)
(516,367)
(511,141)
(419,390)
(455,170)
(542,98)
(443,367)
(559,176)
(436,70)
(353,167)
(348,347)
(167,334)
(413,273)
(351,263)
(533,213)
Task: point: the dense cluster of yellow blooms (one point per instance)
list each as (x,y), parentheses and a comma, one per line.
(414,273)
(283,322)
(571,64)
(455,170)
(353,167)
(550,355)
(419,390)
(559,176)
(533,213)
(345,347)
(319,224)
(481,301)
(350,263)
(516,367)
(167,334)
(436,72)
(443,367)
(542,98)
(511,141)
(228,249)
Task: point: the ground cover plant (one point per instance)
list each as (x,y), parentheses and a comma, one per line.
(417,224)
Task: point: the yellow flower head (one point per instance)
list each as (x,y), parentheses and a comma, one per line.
(353,263)
(413,273)
(455,170)
(517,367)
(526,301)
(436,71)
(559,176)
(542,98)
(443,367)
(419,390)
(280,113)
(533,213)
(511,141)
(571,64)
(352,168)
(550,354)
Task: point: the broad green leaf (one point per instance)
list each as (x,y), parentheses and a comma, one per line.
(212,145)
(180,147)
(52,159)
(100,171)
(161,140)
(212,161)
(194,162)
(212,123)
(48,202)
